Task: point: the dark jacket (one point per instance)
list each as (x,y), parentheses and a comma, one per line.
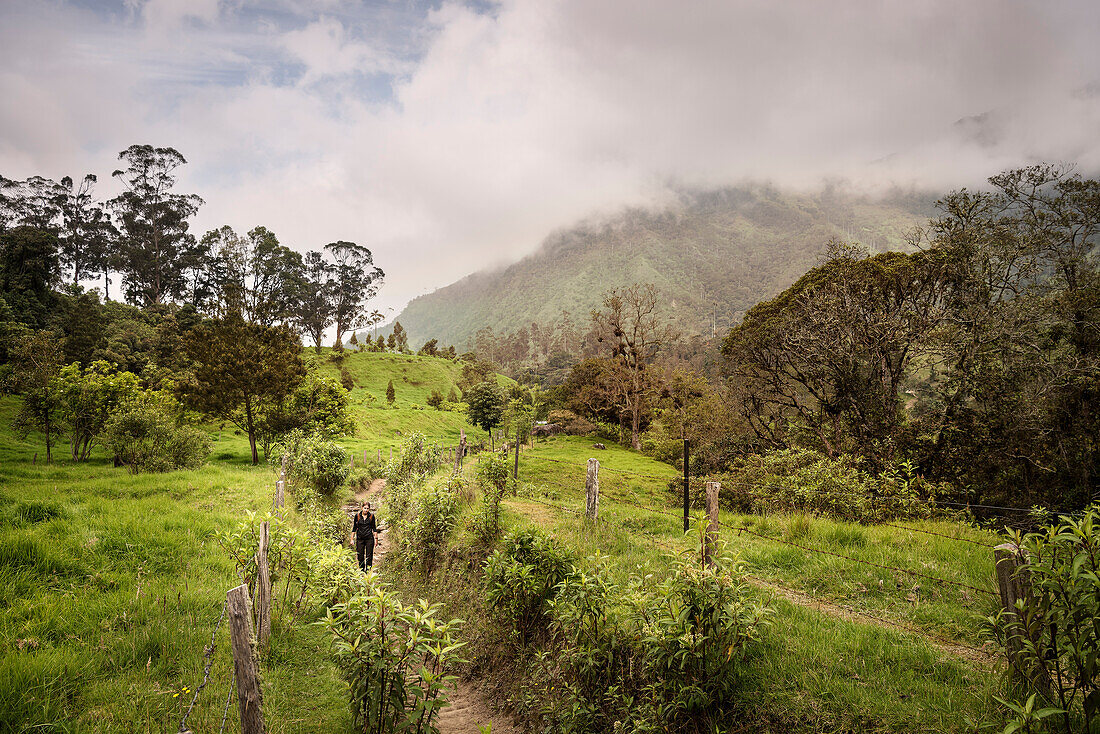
(364,525)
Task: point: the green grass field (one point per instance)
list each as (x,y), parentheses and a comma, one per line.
(863,649)
(111,584)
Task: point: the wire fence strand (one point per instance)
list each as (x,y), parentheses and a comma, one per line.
(208,656)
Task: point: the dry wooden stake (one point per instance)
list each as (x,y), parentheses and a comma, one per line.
(592,490)
(250,697)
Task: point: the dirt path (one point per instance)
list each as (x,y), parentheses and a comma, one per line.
(467,712)
(975,655)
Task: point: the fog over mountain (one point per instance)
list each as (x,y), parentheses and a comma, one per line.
(451,136)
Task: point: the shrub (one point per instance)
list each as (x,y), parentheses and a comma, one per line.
(1056,626)
(522,578)
(492,477)
(346,380)
(799,480)
(144,436)
(646,657)
(287,555)
(392,658)
(434,510)
(313,459)
(391,394)
(435,399)
(416,460)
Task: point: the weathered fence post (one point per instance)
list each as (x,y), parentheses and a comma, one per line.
(379,456)
(1010,567)
(263,586)
(351,461)
(364,457)
(710,538)
(280,488)
(461,447)
(685,485)
(515,471)
(250,697)
(592,490)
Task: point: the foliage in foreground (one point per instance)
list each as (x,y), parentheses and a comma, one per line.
(392,657)
(633,657)
(1057,627)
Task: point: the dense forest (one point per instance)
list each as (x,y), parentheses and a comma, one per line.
(210,324)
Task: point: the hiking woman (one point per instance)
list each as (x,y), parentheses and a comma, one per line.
(364,527)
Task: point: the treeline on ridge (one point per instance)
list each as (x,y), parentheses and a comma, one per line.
(966,370)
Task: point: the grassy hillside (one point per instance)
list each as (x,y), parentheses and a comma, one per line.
(380,425)
(713,254)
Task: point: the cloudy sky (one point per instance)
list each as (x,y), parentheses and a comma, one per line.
(450,136)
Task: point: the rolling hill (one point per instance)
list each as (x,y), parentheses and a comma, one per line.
(713,254)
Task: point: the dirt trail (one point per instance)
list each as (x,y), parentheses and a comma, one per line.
(467,711)
(975,655)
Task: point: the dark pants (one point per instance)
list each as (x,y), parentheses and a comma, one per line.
(364,551)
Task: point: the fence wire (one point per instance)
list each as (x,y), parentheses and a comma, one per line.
(208,656)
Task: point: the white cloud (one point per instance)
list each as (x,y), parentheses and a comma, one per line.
(450,139)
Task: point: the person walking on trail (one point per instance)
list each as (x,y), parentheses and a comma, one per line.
(364,526)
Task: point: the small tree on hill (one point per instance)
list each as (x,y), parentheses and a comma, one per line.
(486,406)
(400,338)
(240,367)
(391,394)
(38,356)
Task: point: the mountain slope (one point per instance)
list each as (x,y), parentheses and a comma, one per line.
(713,255)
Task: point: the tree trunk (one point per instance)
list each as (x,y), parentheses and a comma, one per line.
(635,434)
(251,430)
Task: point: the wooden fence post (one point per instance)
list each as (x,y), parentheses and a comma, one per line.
(263,586)
(710,537)
(364,457)
(282,469)
(1010,567)
(379,456)
(686,447)
(592,490)
(250,696)
(515,471)
(280,488)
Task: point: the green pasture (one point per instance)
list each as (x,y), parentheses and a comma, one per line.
(905,654)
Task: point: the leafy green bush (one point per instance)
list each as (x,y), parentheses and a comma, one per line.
(144,436)
(645,657)
(415,461)
(1057,626)
(313,459)
(425,534)
(801,480)
(392,658)
(287,554)
(522,578)
(492,477)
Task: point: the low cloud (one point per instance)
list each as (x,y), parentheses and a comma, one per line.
(452,138)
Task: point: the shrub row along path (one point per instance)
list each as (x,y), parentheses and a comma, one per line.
(467,711)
